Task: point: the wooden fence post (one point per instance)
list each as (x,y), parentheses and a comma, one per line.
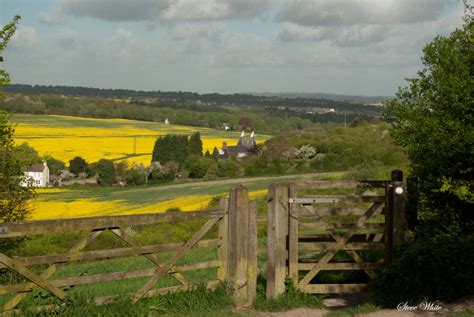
(398,207)
(224,237)
(242,253)
(277,235)
(395,221)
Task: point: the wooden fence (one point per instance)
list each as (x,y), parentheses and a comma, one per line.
(236,245)
(307,234)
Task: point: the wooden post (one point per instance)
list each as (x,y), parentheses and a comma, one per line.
(277,235)
(293,238)
(388,235)
(224,240)
(395,220)
(241,270)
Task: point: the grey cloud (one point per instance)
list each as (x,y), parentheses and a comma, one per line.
(116,10)
(361,12)
(150,11)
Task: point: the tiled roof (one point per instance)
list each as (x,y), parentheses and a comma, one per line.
(36,168)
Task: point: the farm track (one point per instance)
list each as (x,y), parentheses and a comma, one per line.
(244,180)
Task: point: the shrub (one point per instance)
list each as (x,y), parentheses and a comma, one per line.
(106,171)
(428,269)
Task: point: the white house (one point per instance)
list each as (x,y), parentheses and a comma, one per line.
(37,175)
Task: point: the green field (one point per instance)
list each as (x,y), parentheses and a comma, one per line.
(82,201)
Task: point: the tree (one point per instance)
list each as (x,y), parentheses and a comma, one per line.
(228,168)
(197,166)
(215,154)
(195,144)
(433,120)
(27,153)
(136,175)
(207,154)
(54,165)
(171,147)
(5,35)
(13,197)
(245,123)
(78,165)
(106,172)
(121,168)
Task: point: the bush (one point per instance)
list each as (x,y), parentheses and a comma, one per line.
(428,269)
(197,166)
(106,171)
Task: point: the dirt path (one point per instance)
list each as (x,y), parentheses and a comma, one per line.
(446,310)
(244,180)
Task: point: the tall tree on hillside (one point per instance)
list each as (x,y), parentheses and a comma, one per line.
(215,154)
(434,120)
(13,197)
(171,147)
(78,165)
(195,144)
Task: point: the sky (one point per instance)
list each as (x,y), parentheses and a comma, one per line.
(358,47)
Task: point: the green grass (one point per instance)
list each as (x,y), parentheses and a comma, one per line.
(467,313)
(141,196)
(290,299)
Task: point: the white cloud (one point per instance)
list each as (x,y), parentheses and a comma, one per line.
(361,12)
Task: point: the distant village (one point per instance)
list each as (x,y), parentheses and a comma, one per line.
(38,175)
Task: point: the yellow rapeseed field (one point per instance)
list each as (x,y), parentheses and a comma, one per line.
(66,137)
(43,209)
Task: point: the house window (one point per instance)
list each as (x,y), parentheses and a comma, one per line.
(38,182)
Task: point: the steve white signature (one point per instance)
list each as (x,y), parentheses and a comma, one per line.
(426,306)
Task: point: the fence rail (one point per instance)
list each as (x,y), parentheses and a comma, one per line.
(236,244)
(306,232)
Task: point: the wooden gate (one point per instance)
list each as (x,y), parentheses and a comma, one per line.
(318,229)
(235,240)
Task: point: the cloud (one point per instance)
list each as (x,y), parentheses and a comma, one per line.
(150,11)
(361,12)
(358,35)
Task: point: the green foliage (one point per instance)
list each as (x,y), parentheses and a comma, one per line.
(54,165)
(228,168)
(195,144)
(5,35)
(106,172)
(433,120)
(198,166)
(439,268)
(13,197)
(136,175)
(290,299)
(78,165)
(171,147)
(27,154)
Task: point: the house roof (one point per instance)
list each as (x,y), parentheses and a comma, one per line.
(236,149)
(36,168)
